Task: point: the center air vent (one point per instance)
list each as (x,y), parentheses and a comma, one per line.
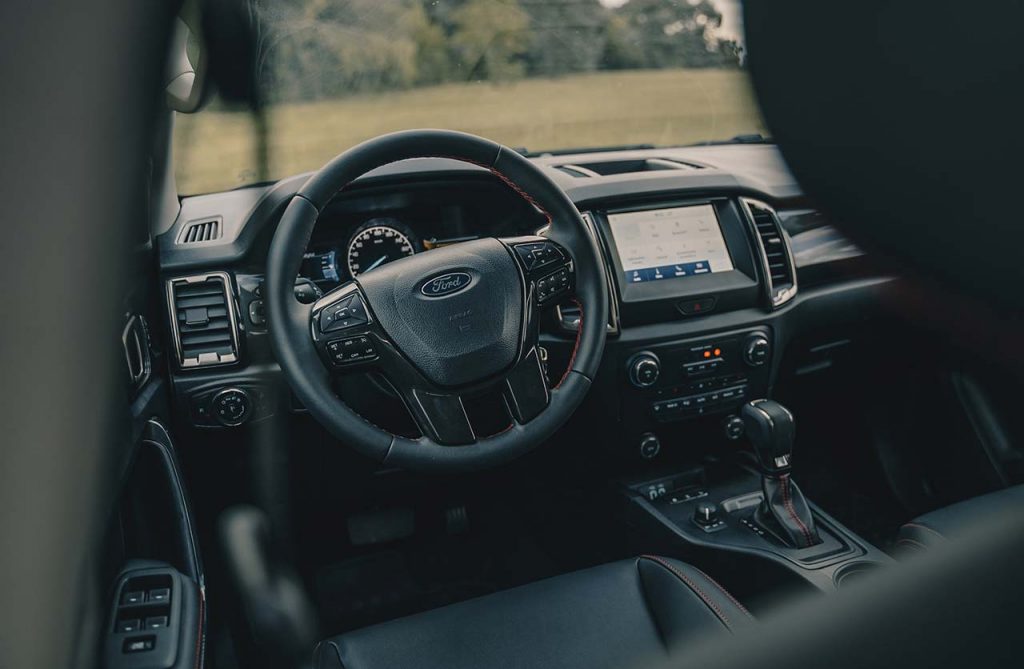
(194,232)
(775,252)
(203,320)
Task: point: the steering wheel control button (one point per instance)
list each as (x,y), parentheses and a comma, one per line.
(536,255)
(348,313)
(553,285)
(351,350)
(231,407)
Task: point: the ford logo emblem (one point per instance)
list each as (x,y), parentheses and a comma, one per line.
(446,284)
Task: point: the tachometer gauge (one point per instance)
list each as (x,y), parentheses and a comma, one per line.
(377,242)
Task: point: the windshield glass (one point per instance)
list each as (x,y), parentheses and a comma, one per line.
(538,75)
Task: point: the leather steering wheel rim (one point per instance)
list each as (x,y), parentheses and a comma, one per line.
(289,320)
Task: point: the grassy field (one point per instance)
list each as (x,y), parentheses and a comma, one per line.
(215,150)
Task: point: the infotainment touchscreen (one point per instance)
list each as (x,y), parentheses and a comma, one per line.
(669,243)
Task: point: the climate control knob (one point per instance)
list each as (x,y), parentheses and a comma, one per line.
(644,370)
(756,350)
(650,446)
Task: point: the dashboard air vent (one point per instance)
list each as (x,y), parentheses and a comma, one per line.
(775,252)
(203,320)
(200,231)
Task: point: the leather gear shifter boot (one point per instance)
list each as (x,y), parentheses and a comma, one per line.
(784,511)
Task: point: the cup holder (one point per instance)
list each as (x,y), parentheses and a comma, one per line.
(854,573)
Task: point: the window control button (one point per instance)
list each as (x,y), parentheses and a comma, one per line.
(159,595)
(156,622)
(138,644)
(133,597)
(133,625)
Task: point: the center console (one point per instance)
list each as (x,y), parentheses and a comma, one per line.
(696,282)
(753,508)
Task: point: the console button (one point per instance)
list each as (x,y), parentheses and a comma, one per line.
(696,307)
(649,446)
(257,313)
(138,645)
(133,625)
(159,595)
(644,370)
(156,622)
(231,407)
(133,597)
(756,350)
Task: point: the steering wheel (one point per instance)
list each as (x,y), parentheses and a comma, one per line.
(450,323)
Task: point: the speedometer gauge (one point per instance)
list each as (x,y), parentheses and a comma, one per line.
(377,242)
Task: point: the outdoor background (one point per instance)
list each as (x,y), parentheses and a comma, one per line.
(533,74)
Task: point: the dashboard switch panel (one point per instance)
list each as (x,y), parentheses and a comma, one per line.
(698,377)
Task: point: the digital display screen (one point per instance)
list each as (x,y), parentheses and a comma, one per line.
(320,267)
(670,243)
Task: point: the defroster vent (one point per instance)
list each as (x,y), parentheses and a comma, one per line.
(203,320)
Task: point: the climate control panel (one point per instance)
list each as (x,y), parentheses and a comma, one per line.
(708,375)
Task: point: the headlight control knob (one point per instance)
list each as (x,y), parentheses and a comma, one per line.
(644,370)
(231,406)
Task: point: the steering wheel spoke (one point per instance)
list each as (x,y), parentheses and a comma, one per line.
(525,389)
(440,416)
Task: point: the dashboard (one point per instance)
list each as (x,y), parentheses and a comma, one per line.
(715,269)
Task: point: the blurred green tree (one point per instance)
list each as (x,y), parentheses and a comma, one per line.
(490,39)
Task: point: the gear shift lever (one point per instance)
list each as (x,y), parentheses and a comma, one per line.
(784,511)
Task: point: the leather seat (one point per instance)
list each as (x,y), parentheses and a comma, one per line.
(619,615)
(941,525)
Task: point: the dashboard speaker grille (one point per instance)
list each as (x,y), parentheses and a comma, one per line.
(775,251)
(200,231)
(203,320)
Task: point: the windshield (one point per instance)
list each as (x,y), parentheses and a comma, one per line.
(538,75)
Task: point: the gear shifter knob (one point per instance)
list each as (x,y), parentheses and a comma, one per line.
(771,429)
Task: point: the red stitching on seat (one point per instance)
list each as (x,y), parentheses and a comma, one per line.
(724,591)
(693,586)
(787,502)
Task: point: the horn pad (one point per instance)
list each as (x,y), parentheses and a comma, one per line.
(455,312)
